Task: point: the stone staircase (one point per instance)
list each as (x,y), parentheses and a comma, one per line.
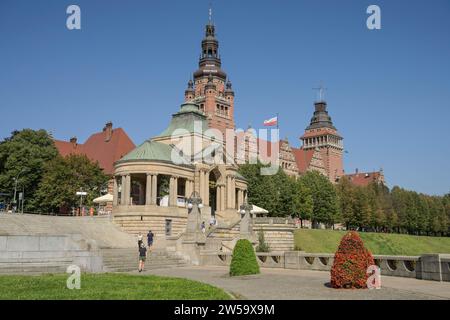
(34,266)
(100,229)
(222,237)
(125,260)
(34,244)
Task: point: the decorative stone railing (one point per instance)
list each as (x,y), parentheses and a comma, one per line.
(272,220)
(427,267)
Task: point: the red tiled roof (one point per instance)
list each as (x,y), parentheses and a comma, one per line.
(96,148)
(303,158)
(363,179)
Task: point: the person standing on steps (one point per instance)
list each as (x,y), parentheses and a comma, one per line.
(203,227)
(140,237)
(142,256)
(150,237)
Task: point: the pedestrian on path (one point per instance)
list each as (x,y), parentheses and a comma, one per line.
(142,256)
(150,237)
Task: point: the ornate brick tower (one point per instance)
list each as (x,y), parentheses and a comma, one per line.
(210,88)
(322,135)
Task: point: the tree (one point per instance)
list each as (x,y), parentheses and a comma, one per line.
(346,195)
(24,155)
(63,177)
(271,192)
(244,260)
(325,202)
(302,201)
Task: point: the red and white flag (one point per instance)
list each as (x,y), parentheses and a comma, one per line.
(271,122)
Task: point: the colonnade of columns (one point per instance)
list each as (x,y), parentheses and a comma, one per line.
(151,189)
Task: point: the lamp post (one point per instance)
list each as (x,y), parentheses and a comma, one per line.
(16,179)
(246,228)
(81,193)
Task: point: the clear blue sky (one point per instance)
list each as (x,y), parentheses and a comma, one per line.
(388,90)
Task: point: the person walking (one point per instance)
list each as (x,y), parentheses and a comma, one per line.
(142,256)
(150,237)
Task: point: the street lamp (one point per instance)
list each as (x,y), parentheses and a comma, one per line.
(16,179)
(245,208)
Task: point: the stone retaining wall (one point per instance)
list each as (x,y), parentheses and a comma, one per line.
(47,254)
(278,232)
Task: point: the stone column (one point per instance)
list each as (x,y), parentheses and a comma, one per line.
(228,187)
(240,198)
(189,188)
(127,189)
(233,193)
(148,190)
(173,186)
(122,190)
(218,198)
(175,191)
(201,183)
(206,196)
(115,192)
(222,198)
(154,188)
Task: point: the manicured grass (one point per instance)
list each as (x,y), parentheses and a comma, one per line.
(327,241)
(107,287)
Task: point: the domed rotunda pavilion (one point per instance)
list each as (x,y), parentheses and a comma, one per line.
(153,183)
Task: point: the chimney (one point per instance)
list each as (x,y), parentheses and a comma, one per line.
(356,171)
(108,131)
(73,141)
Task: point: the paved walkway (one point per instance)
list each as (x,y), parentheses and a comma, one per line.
(282,284)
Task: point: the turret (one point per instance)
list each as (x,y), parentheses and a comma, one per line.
(189,94)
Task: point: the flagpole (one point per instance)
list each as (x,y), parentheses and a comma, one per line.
(277,121)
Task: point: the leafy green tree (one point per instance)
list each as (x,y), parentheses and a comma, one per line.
(362,209)
(63,177)
(302,201)
(346,195)
(325,200)
(271,192)
(24,155)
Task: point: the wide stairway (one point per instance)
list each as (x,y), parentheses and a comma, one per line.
(125,260)
(117,248)
(223,237)
(100,229)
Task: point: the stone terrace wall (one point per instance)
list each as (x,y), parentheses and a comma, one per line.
(36,254)
(278,232)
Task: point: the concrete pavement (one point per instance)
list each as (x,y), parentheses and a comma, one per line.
(283,284)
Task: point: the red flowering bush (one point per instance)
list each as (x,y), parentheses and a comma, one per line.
(351,261)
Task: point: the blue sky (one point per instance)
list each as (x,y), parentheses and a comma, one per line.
(388,90)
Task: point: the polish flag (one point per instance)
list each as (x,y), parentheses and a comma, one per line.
(271,122)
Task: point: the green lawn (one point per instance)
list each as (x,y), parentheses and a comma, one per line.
(327,241)
(107,287)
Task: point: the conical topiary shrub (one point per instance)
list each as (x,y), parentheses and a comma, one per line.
(351,261)
(244,259)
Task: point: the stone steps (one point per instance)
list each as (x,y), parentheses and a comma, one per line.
(125,260)
(100,229)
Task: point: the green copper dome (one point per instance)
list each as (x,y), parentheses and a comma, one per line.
(154,151)
(189,119)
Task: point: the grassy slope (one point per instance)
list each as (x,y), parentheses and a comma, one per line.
(327,241)
(107,286)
